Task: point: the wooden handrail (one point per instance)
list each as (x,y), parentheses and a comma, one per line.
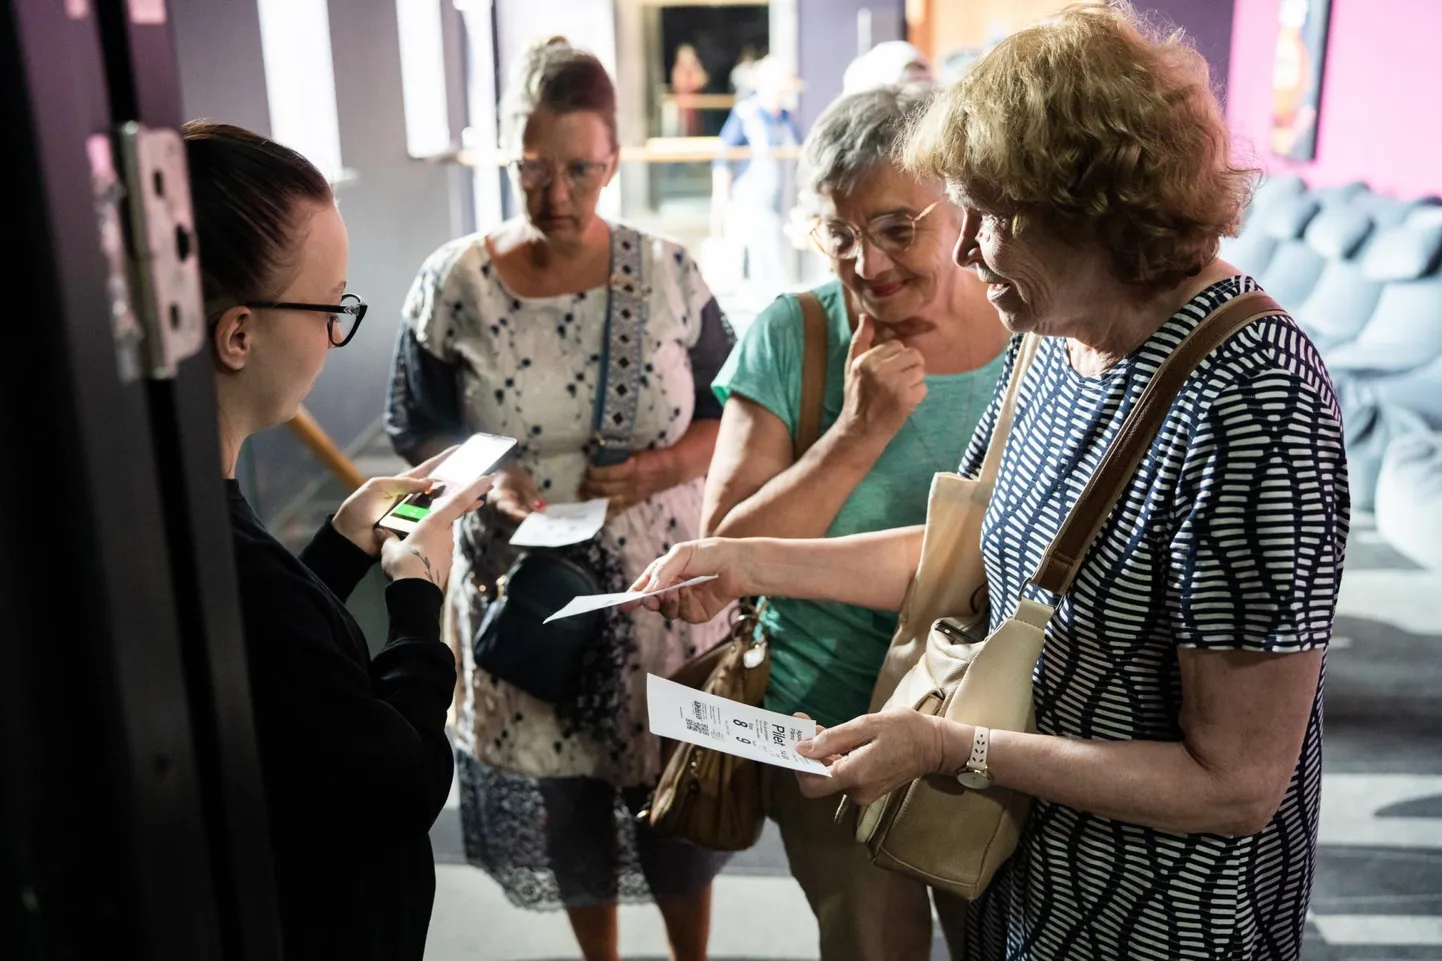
(674,151)
(659,150)
(700,101)
(310,433)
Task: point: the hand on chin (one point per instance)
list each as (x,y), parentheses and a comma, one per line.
(888,316)
(906,331)
(885,333)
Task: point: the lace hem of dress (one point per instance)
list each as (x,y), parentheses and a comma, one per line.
(549,850)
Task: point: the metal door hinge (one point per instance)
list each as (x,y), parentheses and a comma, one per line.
(164,271)
(109,195)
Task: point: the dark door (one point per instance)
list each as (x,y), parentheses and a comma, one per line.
(131,816)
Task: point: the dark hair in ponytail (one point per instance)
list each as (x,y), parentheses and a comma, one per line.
(555,76)
(245,190)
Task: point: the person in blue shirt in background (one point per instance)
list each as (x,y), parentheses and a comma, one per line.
(750,197)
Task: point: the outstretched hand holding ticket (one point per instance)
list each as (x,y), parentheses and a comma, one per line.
(595,602)
(699,603)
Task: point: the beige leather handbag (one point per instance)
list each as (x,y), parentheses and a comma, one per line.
(949,580)
(935,830)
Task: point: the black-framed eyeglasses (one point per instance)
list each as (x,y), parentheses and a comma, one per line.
(538,173)
(892,234)
(344,320)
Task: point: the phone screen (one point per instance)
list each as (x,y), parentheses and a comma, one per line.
(475,457)
(479,455)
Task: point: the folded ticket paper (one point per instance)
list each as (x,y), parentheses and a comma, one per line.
(686,714)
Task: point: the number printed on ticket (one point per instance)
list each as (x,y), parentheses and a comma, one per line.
(685,714)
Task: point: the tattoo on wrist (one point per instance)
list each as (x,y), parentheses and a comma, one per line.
(430,574)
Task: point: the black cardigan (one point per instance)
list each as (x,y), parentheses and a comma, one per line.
(353,751)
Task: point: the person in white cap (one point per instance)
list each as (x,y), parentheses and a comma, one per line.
(891,63)
(749,196)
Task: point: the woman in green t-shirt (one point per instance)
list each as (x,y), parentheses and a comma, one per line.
(914,350)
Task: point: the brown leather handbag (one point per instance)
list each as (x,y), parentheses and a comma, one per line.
(707,797)
(933,829)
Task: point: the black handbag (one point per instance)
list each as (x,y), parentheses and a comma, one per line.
(513,642)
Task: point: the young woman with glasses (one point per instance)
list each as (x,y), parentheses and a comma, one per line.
(353,751)
(507,332)
(914,351)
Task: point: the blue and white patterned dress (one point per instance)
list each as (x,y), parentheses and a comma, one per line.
(1230,536)
(473,356)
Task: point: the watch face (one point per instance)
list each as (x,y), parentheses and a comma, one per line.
(975,780)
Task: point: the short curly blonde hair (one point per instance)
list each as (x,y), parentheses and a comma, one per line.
(1100,128)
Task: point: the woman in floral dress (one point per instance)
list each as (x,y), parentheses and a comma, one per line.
(507,333)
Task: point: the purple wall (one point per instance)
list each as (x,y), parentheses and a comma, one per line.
(827,32)
(1208,25)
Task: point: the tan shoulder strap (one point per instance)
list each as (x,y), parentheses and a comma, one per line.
(1063,558)
(813,373)
(1001,430)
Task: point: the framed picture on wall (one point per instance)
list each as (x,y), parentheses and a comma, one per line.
(1297,77)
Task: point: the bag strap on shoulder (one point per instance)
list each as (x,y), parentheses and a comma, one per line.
(1001,430)
(1062,560)
(613,421)
(813,373)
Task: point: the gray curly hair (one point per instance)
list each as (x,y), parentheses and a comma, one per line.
(854,135)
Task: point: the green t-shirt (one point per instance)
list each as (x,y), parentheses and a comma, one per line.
(825,656)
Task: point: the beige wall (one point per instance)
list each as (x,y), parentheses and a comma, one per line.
(945,25)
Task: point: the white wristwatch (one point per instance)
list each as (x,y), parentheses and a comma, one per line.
(974,773)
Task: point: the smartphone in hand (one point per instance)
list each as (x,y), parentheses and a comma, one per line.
(480,454)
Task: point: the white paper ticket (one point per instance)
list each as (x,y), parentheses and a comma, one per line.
(595,602)
(685,714)
(561,524)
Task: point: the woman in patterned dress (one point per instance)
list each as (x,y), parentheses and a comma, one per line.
(505,333)
(1177,760)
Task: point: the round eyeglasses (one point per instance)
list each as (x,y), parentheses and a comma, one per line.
(582,176)
(344,320)
(892,234)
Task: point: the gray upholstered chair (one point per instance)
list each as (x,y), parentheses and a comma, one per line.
(1283,221)
(1273,188)
(1369,429)
(1418,390)
(1387,211)
(1344,297)
(1409,497)
(1294,266)
(1405,330)
(1340,195)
